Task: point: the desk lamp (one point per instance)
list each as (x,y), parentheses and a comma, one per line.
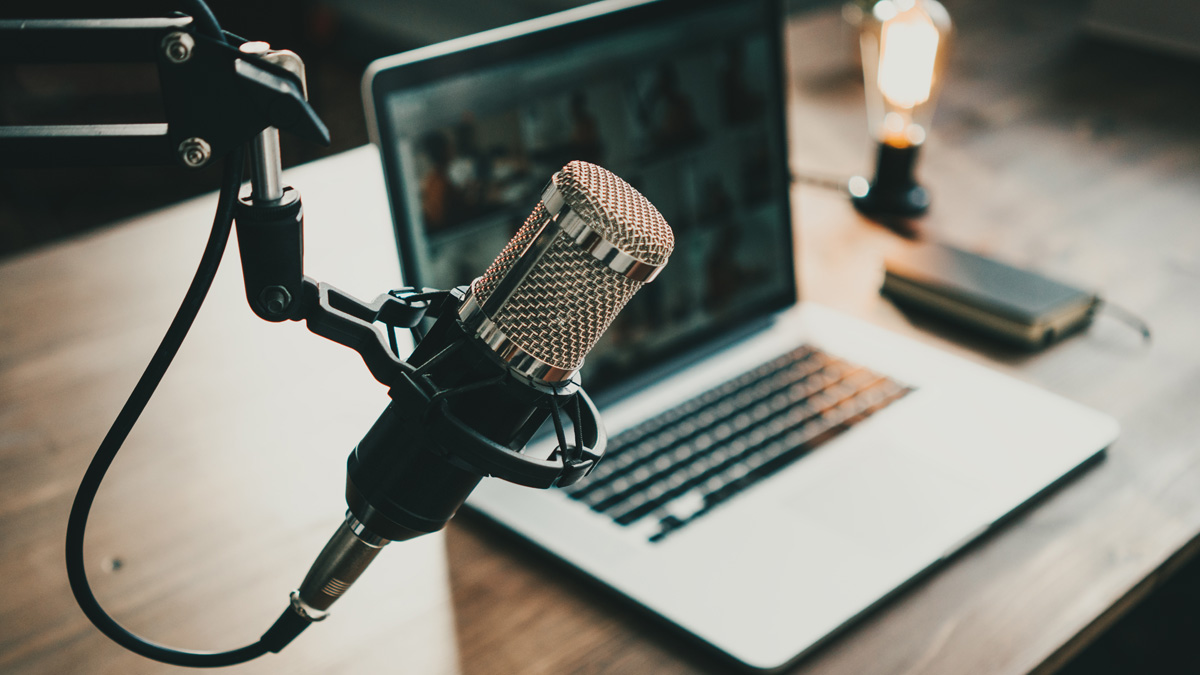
(904,46)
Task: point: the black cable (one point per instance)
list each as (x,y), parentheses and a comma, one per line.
(117,433)
(290,623)
(825,181)
(1128,318)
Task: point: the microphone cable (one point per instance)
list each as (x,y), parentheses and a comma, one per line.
(290,624)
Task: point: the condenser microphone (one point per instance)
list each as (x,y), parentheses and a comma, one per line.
(497,364)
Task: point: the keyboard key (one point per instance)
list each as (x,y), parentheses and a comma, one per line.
(667,471)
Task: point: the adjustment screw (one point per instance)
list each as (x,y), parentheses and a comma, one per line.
(195,152)
(275,299)
(178,46)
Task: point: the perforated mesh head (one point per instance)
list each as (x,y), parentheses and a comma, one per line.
(568,297)
(615,210)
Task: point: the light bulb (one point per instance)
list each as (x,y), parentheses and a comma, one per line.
(904,47)
(907,54)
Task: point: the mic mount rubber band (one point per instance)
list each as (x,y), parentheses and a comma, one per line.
(492,459)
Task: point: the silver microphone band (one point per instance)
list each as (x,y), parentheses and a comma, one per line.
(588,239)
(520,361)
(589,244)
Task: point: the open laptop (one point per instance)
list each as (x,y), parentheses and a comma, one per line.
(774,469)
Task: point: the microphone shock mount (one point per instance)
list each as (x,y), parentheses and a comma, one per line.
(225,97)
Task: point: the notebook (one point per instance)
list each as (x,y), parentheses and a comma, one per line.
(775,469)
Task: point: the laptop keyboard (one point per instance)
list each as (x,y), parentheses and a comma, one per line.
(672,469)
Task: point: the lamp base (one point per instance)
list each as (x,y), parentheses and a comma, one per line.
(894,193)
(909,203)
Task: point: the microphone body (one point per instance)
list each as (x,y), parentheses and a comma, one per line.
(493,368)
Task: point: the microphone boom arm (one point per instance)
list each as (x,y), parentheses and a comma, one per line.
(402,479)
(425,454)
(363,327)
(215,96)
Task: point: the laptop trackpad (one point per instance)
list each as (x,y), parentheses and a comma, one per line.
(886,501)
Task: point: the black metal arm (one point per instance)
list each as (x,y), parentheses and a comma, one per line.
(216,97)
(416,466)
(364,328)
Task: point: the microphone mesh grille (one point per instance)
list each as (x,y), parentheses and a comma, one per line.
(486,284)
(569,298)
(615,210)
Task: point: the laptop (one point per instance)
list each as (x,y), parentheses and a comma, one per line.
(775,469)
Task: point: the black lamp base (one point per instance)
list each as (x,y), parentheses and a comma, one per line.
(894,193)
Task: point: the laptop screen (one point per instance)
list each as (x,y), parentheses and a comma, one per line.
(682,99)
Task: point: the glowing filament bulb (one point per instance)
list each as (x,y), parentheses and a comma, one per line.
(908,52)
(904,45)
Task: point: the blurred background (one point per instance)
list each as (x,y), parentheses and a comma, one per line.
(338,38)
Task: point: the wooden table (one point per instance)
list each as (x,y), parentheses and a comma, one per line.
(1078,161)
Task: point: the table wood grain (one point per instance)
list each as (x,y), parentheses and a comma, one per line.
(233,479)
(1076,159)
